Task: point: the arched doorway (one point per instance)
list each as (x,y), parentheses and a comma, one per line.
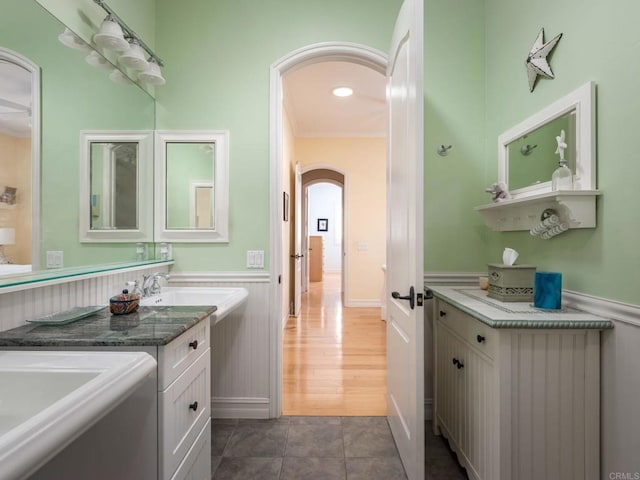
(322,52)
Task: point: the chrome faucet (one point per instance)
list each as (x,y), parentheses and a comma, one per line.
(151,284)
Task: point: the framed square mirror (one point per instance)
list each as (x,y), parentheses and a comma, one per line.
(116,186)
(192,191)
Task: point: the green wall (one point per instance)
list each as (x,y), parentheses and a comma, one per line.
(218,55)
(454,235)
(75,96)
(600,43)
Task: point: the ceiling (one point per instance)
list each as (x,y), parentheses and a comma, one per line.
(315,112)
(15,100)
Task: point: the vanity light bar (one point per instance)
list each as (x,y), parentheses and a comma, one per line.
(129,33)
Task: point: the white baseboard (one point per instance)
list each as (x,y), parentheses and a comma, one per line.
(363,303)
(239,407)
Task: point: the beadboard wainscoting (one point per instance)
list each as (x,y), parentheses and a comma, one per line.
(437,278)
(25,302)
(619,372)
(240,346)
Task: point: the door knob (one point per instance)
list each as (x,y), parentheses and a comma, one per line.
(297,256)
(411,297)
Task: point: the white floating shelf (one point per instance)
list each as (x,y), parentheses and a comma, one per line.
(575,207)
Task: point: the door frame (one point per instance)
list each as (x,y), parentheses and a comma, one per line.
(344,260)
(308,55)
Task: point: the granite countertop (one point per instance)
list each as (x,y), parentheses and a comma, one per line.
(497,314)
(149,326)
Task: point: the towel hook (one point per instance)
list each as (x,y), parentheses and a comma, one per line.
(443,150)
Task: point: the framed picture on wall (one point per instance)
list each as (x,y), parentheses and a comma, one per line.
(285,206)
(323,225)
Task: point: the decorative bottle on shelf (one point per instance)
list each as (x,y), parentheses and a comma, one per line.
(562,178)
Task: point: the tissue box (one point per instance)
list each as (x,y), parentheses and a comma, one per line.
(511,283)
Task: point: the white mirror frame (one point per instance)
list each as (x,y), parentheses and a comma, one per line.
(582,100)
(220,140)
(144,232)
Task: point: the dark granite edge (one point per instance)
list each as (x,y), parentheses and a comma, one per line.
(23,336)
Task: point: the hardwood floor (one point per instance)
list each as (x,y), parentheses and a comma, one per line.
(334,359)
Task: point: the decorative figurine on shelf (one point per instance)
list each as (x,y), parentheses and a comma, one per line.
(562,178)
(498,192)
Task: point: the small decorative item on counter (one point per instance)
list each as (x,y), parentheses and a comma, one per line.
(562,178)
(124,303)
(547,291)
(498,192)
(483,282)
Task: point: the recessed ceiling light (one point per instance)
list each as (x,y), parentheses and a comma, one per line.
(343,91)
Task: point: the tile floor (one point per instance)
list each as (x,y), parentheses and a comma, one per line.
(323,448)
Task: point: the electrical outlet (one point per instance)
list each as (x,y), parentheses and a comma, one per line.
(55,259)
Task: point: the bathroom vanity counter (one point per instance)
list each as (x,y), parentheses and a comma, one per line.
(497,314)
(149,326)
(167,422)
(515,386)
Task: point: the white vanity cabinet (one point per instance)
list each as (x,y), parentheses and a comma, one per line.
(163,430)
(184,406)
(517,399)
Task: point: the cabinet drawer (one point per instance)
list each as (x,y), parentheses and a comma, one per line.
(473,331)
(175,357)
(197,464)
(181,418)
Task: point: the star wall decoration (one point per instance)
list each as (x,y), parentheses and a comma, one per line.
(536,61)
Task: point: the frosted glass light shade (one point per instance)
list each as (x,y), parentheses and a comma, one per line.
(7,236)
(96,60)
(71,40)
(110,36)
(134,57)
(152,75)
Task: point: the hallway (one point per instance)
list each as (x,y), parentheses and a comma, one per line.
(334,358)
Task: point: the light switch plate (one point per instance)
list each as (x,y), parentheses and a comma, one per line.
(55,259)
(255,258)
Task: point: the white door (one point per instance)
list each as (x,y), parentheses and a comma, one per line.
(297,248)
(405,325)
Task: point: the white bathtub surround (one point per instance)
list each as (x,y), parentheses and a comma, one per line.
(37,423)
(243,363)
(225,299)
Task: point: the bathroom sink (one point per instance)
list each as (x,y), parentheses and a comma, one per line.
(49,398)
(226,299)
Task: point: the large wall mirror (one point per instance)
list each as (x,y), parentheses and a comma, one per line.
(116,194)
(191,199)
(526,152)
(75,95)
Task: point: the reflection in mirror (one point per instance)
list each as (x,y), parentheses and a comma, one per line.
(533,158)
(114,189)
(190,178)
(526,152)
(74,96)
(19,161)
(116,195)
(192,168)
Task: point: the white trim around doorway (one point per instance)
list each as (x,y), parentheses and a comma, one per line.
(308,55)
